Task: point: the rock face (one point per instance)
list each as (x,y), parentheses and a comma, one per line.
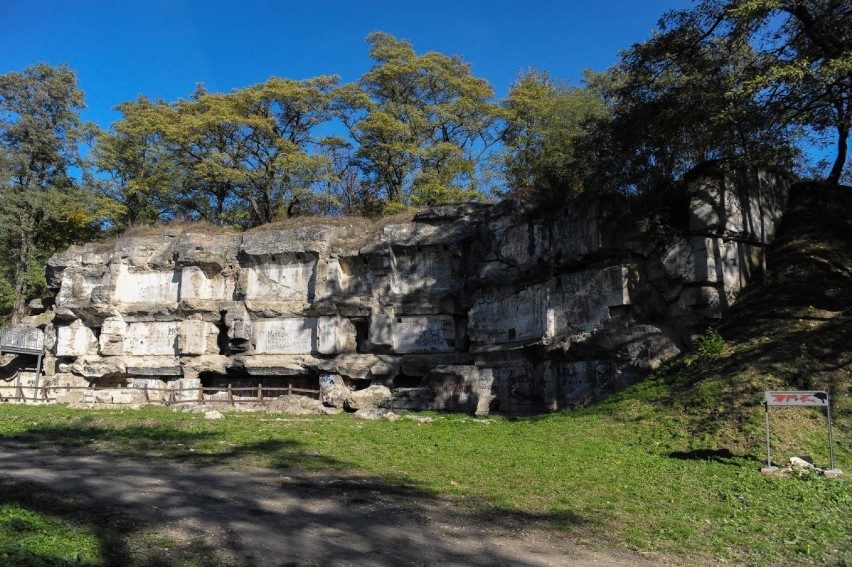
(469,307)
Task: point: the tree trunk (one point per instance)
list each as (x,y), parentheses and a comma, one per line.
(20,308)
(840,160)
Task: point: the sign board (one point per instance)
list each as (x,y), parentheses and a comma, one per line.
(801,398)
(797,398)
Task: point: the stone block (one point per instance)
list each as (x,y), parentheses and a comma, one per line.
(335,335)
(111,340)
(197,285)
(197,337)
(75,339)
(381,330)
(421,334)
(76,287)
(277,364)
(97,367)
(285,336)
(498,320)
(373,397)
(152,338)
(577,384)
(333,390)
(134,285)
(430,270)
(456,388)
(515,387)
(165,366)
(285,277)
(703,300)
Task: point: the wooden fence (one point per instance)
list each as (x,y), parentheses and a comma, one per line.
(259,394)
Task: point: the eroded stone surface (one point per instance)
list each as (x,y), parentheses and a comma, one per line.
(470,308)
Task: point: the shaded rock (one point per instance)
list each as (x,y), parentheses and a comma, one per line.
(374,414)
(296,405)
(371,398)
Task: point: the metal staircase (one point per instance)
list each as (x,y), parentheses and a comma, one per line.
(24,340)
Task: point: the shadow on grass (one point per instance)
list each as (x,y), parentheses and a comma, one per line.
(169,443)
(724,456)
(121,536)
(128,490)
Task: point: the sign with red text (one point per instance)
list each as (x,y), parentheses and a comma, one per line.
(797,398)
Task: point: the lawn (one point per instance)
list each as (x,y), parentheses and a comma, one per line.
(628,473)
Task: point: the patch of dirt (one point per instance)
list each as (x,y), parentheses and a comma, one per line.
(266,517)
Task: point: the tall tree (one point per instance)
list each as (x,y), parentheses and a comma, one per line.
(44,208)
(142,170)
(678,100)
(240,158)
(804,72)
(742,79)
(548,124)
(420,122)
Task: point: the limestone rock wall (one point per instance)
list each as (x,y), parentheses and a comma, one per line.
(468,307)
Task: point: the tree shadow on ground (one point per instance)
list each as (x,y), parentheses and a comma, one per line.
(305,509)
(723,456)
(121,536)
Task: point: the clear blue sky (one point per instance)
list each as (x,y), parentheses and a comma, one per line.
(121,49)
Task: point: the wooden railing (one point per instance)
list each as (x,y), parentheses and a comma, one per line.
(171,395)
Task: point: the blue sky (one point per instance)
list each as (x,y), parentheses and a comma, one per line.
(121,49)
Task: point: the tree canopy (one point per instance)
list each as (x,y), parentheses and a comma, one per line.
(420,123)
(44,206)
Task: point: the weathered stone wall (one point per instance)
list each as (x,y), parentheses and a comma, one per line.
(469,307)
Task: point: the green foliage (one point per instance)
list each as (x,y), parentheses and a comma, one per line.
(677,101)
(44,208)
(711,346)
(729,80)
(804,72)
(548,126)
(421,123)
(237,159)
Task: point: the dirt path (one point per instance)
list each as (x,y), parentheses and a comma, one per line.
(265,517)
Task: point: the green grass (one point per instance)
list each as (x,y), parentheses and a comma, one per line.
(626,473)
(29,537)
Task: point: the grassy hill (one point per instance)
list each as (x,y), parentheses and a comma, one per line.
(792,330)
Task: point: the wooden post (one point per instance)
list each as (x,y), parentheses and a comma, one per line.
(147,398)
(38,375)
(259,393)
(290,389)
(230,395)
(201,394)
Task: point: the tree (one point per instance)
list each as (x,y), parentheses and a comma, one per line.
(547,125)
(804,72)
(736,80)
(678,100)
(420,122)
(44,208)
(236,159)
(142,170)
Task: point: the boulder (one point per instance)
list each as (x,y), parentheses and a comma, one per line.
(373,397)
(296,405)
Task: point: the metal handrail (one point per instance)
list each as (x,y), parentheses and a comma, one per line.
(22,339)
